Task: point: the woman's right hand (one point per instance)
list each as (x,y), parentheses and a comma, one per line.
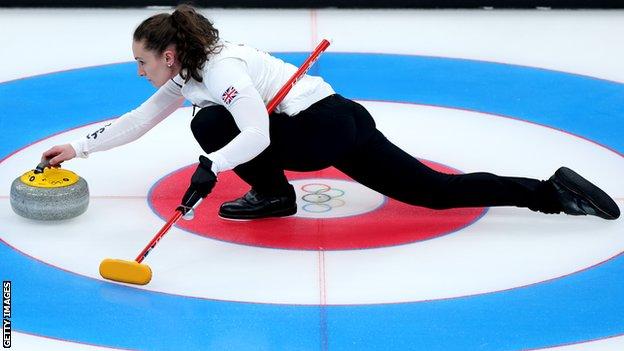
(59,153)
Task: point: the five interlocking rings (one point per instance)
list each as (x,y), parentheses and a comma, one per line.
(321,198)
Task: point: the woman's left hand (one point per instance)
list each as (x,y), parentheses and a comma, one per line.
(202,182)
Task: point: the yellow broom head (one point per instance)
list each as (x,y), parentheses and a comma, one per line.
(124,271)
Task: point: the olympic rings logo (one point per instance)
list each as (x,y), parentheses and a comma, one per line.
(321,198)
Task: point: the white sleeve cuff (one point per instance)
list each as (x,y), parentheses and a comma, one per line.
(219,163)
(79,147)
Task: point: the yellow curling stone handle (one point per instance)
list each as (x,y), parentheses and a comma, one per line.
(50,178)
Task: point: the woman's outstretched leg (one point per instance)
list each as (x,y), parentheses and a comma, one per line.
(382,166)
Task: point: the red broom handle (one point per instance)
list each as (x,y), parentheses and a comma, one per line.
(295,77)
(158,236)
(272,105)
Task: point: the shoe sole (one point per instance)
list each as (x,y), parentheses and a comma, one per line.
(602,202)
(243,217)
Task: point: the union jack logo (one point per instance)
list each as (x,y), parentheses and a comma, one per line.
(229,95)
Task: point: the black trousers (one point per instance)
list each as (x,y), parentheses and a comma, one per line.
(339,132)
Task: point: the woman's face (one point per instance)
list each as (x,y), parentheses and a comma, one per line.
(157,68)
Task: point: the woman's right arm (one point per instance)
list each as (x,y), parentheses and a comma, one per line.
(124,129)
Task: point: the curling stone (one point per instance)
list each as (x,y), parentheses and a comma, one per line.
(49,194)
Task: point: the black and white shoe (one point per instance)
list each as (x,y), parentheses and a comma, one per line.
(254,205)
(580,197)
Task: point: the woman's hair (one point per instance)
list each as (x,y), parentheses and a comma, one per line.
(193,35)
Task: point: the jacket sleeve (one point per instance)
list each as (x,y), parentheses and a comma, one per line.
(133,124)
(230,86)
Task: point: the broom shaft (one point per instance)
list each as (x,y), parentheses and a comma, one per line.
(158,236)
(295,77)
(272,105)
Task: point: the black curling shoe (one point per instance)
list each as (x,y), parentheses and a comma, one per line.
(254,205)
(580,197)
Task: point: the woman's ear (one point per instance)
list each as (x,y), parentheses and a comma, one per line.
(169,57)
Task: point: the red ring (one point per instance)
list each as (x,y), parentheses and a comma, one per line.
(393,223)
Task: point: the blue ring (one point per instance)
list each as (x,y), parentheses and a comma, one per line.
(47,300)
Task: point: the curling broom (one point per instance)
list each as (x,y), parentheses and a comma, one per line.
(136,272)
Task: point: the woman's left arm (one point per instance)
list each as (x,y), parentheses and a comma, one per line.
(232,86)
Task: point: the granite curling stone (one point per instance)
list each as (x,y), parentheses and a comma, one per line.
(49,194)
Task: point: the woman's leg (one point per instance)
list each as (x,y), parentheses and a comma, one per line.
(312,140)
(382,166)
(214,127)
